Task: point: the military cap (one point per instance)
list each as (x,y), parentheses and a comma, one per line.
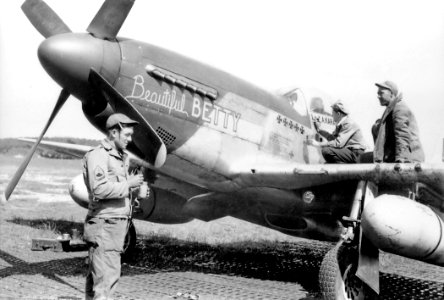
(118,118)
(388,85)
(339,106)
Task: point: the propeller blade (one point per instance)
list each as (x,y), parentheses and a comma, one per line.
(44,19)
(110,17)
(144,135)
(64,94)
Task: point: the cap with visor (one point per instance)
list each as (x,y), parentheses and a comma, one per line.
(119,118)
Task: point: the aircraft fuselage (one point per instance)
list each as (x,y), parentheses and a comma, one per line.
(209,120)
(211,123)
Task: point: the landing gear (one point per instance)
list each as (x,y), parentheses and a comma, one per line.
(129,243)
(337,274)
(337,279)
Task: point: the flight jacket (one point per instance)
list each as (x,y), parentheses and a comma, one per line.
(396,135)
(105,171)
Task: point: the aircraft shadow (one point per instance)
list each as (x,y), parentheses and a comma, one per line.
(53,269)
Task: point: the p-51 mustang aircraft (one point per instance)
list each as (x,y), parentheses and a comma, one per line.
(213,145)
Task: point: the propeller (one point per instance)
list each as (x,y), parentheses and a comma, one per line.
(44,19)
(105,25)
(64,94)
(110,17)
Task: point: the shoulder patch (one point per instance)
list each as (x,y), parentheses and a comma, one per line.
(99,174)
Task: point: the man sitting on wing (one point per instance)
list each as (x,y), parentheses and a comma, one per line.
(346,142)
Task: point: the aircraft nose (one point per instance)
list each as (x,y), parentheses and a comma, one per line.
(68,58)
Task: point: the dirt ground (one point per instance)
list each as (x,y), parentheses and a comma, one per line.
(26,274)
(162,269)
(41,205)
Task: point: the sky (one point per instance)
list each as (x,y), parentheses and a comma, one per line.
(341,47)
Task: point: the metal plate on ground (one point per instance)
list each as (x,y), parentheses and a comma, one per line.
(42,244)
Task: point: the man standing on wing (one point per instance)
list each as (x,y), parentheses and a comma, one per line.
(396,134)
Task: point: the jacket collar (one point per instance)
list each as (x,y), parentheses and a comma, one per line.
(389,108)
(342,120)
(112,151)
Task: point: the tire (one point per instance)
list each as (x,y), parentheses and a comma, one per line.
(130,242)
(337,279)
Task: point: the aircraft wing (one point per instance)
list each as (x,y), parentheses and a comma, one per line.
(78,151)
(295,176)
(73,150)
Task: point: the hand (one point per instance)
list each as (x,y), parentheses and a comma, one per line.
(135,180)
(313,142)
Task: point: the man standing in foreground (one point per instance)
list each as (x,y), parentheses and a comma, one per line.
(346,143)
(396,134)
(105,171)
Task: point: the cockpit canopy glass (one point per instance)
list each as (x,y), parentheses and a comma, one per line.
(310,101)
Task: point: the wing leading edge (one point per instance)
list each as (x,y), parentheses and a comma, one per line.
(78,151)
(295,176)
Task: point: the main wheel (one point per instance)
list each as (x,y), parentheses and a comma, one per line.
(130,242)
(337,279)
